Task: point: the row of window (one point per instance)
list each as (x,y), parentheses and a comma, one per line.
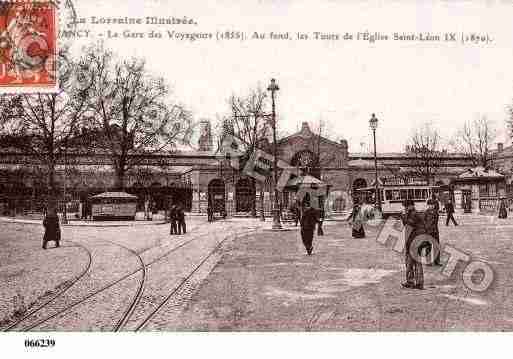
(488,189)
(402,194)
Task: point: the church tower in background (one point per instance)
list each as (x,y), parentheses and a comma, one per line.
(205,139)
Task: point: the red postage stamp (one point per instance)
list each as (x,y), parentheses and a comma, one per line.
(28,46)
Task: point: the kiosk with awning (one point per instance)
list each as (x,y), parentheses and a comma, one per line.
(478,189)
(304,185)
(113,206)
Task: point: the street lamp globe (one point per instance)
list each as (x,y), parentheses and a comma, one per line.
(273,86)
(373,122)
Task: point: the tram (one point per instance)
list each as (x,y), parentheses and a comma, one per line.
(113,206)
(393,194)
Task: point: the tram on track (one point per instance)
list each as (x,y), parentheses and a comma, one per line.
(394,193)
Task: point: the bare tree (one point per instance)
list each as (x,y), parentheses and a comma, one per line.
(41,125)
(323,158)
(250,121)
(250,125)
(475,139)
(131,107)
(509,120)
(424,147)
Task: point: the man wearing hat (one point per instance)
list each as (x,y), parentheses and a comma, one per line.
(51,224)
(173,219)
(449,209)
(431,217)
(308,221)
(413,227)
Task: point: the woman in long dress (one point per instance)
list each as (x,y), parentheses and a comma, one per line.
(356,218)
(503,213)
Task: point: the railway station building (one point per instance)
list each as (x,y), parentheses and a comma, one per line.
(193,178)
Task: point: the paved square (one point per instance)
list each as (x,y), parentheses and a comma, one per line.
(232,275)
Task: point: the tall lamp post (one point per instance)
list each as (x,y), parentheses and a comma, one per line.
(373,122)
(65,210)
(273,87)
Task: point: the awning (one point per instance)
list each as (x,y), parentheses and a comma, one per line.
(115,195)
(479,174)
(307,180)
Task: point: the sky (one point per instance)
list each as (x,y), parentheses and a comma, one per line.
(405,83)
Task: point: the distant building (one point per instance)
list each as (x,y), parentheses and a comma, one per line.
(197,178)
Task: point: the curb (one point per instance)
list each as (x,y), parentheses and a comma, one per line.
(40,222)
(278,230)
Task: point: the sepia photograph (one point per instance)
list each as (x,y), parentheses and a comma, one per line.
(270,177)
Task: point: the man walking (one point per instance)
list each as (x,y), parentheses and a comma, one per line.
(320,231)
(431,225)
(210,213)
(449,209)
(435,203)
(413,227)
(172,220)
(52,226)
(181,220)
(308,221)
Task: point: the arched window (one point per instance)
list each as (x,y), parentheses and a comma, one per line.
(244,195)
(307,162)
(216,195)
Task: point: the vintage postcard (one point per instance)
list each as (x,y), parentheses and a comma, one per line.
(269,166)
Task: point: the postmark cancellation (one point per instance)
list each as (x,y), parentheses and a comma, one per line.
(28,46)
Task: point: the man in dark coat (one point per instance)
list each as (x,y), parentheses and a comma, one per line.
(173,219)
(449,209)
(414,226)
(52,229)
(431,226)
(181,220)
(503,212)
(358,231)
(295,212)
(436,205)
(320,231)
(210,213)
(308,221)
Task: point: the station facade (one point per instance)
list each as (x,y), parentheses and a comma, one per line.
(197,178)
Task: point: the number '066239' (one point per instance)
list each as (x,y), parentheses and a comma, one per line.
(39,343)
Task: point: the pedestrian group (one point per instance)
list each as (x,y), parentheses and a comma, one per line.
(177,220)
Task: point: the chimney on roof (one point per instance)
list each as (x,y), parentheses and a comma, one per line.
(500,147)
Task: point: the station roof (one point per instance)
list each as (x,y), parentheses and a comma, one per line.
(480,172)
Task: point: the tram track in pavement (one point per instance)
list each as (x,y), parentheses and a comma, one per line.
(129,311)
(137,298)
(182,283)
(53,298)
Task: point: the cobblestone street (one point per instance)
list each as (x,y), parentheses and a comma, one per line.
(267,282)
(102,278)
(231,275)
